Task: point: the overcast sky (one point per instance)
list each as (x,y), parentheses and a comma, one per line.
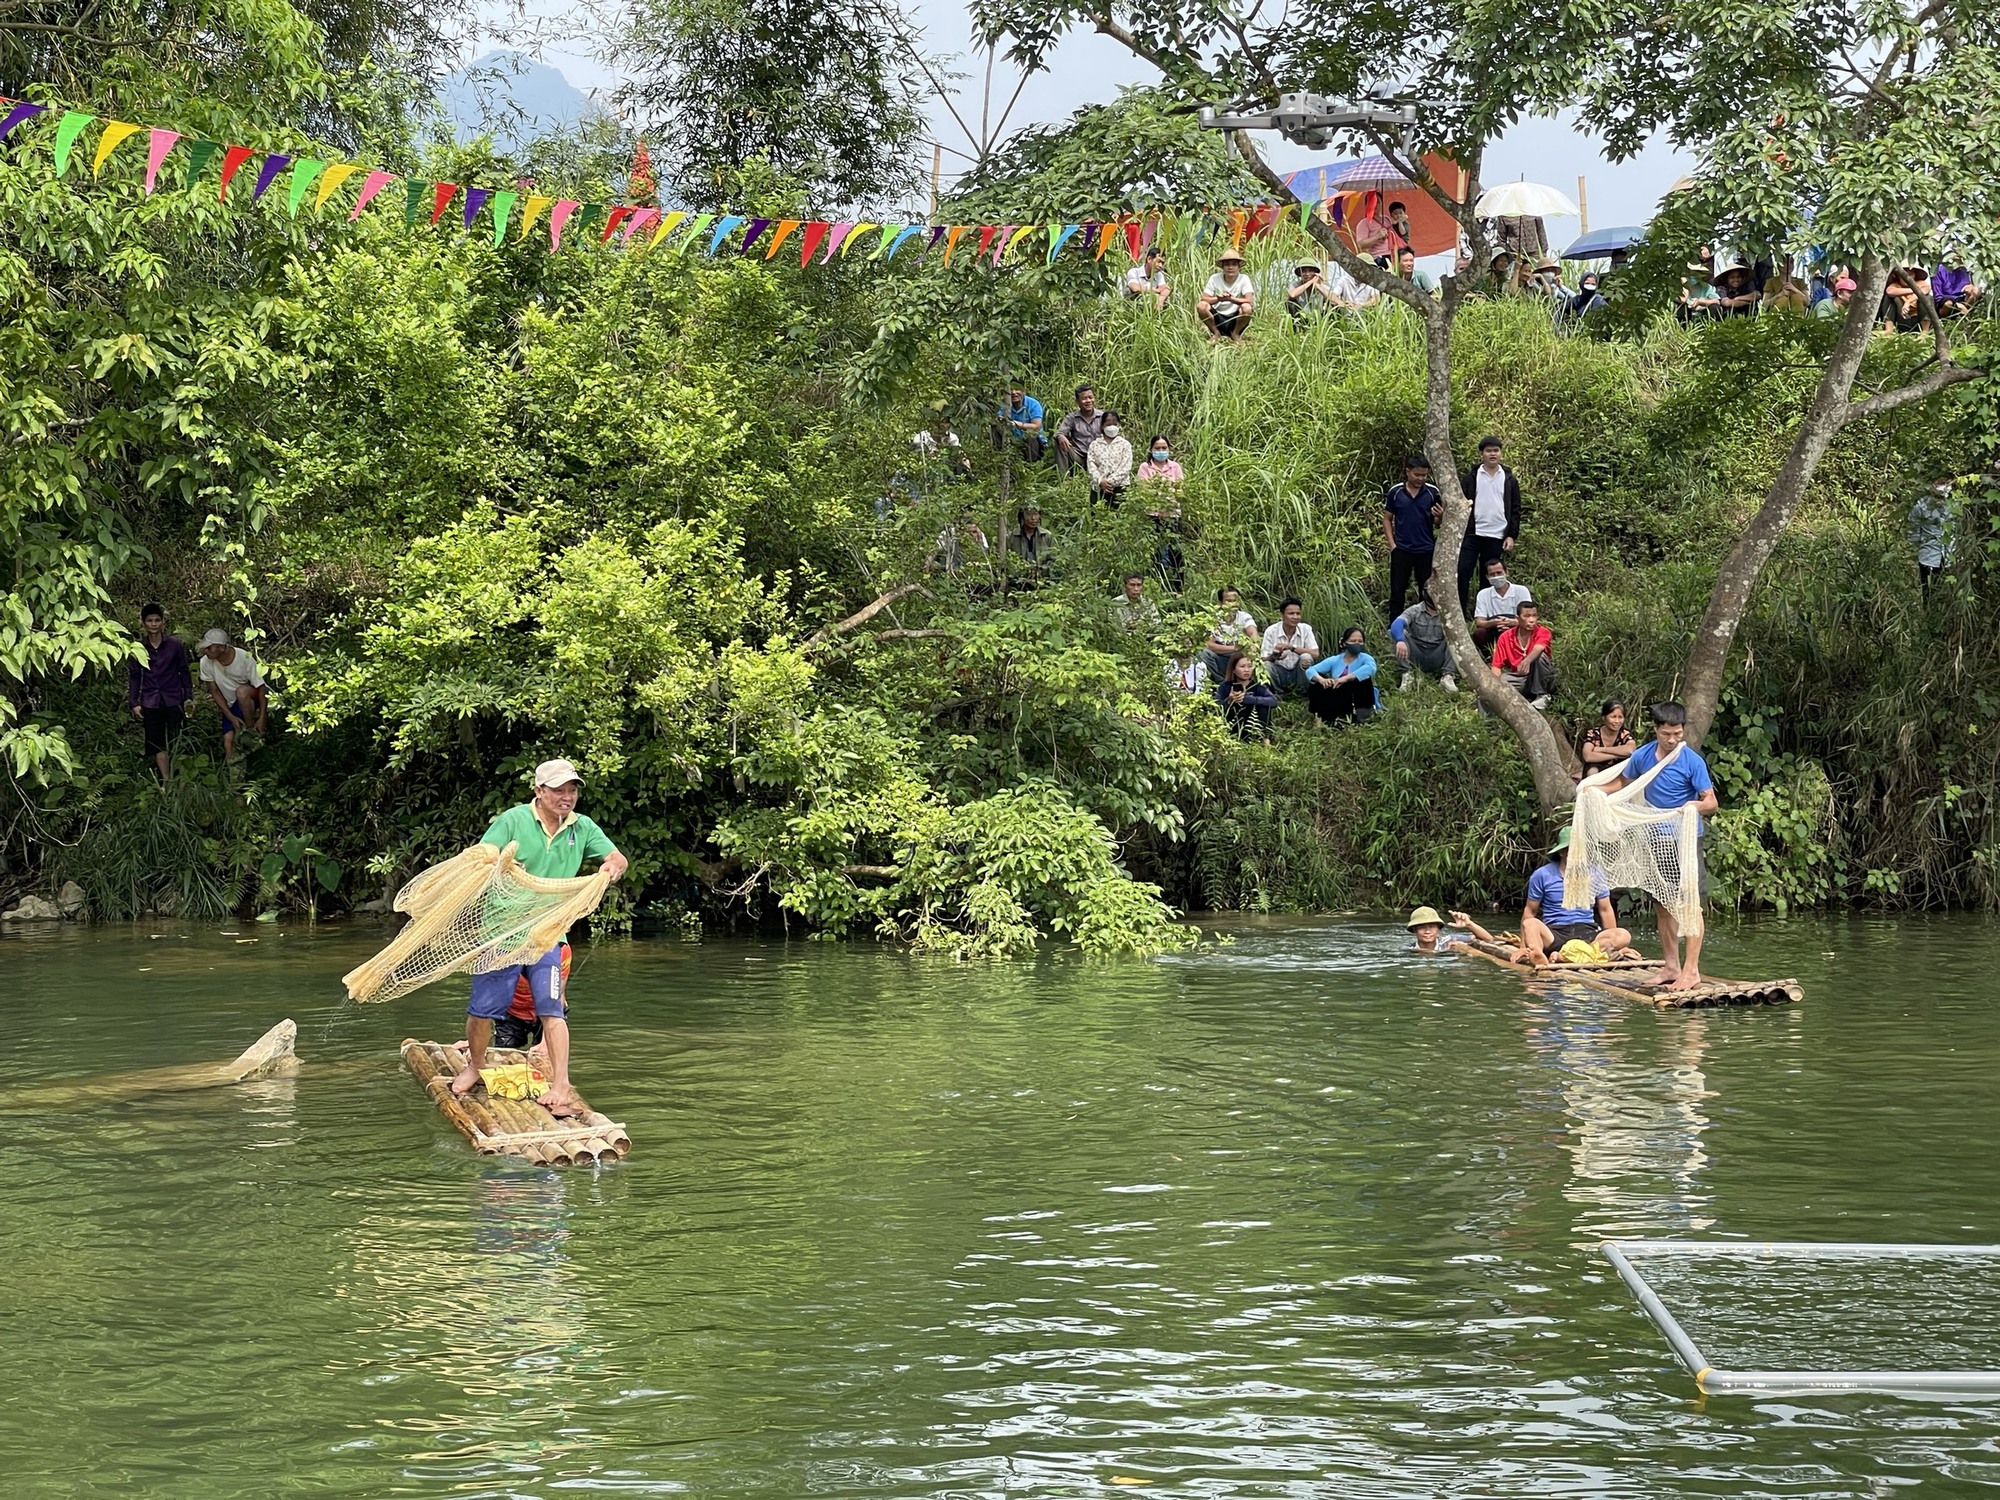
(1089,69)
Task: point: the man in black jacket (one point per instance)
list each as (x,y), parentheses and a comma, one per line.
(1495,522)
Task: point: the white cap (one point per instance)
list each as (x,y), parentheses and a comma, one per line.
(216,637)
(557,773)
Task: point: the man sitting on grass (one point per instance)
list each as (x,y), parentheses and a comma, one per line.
(1420,645)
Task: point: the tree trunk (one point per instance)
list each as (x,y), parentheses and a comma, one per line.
(1828,413)
(1553,787)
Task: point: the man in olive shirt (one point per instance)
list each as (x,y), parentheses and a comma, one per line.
(551,840)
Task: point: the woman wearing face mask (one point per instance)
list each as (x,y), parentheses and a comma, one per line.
(1160,480)
(1341,689)
(1110,462)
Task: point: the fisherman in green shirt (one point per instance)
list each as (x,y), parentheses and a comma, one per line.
(551,840)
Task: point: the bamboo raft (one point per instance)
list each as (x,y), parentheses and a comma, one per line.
(1621,977)
(513,1127)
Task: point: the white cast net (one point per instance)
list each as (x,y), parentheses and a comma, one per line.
(474,913)
(1622,839)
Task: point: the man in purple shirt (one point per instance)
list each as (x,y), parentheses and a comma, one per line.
(158,689)
(1953,291)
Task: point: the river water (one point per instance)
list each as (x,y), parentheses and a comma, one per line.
(1297,1216)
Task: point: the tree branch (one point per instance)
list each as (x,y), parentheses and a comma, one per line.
(863,616)
(1939,379)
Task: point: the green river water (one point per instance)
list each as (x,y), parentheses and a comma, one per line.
(1301,1216)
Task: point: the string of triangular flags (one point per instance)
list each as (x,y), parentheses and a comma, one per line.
(631,225)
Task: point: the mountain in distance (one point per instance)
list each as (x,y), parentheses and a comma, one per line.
(513,98)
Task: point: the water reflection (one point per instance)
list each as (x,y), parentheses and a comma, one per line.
(1635,1128)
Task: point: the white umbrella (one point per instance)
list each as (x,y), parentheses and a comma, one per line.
(1523,200)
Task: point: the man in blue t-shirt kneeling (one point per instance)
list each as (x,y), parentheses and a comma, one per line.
(1682,780)
(1546,924)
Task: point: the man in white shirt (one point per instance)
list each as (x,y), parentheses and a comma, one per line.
(231,676)
(1289,648)
(1496,517)
(1229,298)
(1149,278)
(1497,604)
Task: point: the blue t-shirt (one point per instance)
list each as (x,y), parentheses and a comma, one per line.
(1681,783)
(1030,410)
(1411,515)
(1546,886)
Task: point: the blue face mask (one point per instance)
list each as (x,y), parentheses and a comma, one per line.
(1159,455)
(1351,648)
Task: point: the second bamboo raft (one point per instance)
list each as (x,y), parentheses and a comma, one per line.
(1623,977)
(513,1127)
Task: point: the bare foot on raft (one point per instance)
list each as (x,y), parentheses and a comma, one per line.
(464,1081)
(1687,979)
(563,1105)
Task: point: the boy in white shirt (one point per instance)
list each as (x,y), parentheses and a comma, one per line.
(233,680)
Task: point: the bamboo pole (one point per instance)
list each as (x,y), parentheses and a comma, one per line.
(1582,206)
(425,1065)
(937,177)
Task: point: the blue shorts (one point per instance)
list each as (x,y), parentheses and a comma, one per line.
(493,993)
(231,722)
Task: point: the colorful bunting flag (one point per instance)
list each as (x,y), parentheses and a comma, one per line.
(157,147)
(835,234)
(503,204)
(441,195)
(559,214)
(372,184)
(1105,235)
(937,233)
(275,163)
(907,231)
(637,225)
(785,228)
(115,131)
(986,234)
(200,154)
(1019,234)
(233,159)
(19,114)
(815,232)
(72,126)
(750,235)
(617,216)
(330,181)
(305,171)
(1057,241)
(533,211)
(475,199)
(667,226)
(723,231)
(695,227)
(951,238)
(587,215)
(854,235)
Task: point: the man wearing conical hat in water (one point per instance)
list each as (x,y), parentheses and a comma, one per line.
(551,840)
(1427,927)
(1547,925)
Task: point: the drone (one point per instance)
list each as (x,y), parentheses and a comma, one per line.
(1311,119)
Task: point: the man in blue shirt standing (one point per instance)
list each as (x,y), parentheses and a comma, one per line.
(1410,511)
(1546,924)
(1682,780)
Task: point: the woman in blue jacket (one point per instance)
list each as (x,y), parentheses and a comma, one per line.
(1341,689)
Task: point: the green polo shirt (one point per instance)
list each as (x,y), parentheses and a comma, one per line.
(557,858)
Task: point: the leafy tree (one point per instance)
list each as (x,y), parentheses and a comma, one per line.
(827,96)
(1860,130)
(1476,67)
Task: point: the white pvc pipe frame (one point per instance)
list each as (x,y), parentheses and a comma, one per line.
(1621,1254)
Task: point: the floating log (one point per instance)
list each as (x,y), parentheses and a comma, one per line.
(513,1127)
(1626,977)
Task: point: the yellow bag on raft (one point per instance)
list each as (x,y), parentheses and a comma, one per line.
(515,1081)
(1577,951)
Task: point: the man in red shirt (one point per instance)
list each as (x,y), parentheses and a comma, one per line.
(1521,656)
